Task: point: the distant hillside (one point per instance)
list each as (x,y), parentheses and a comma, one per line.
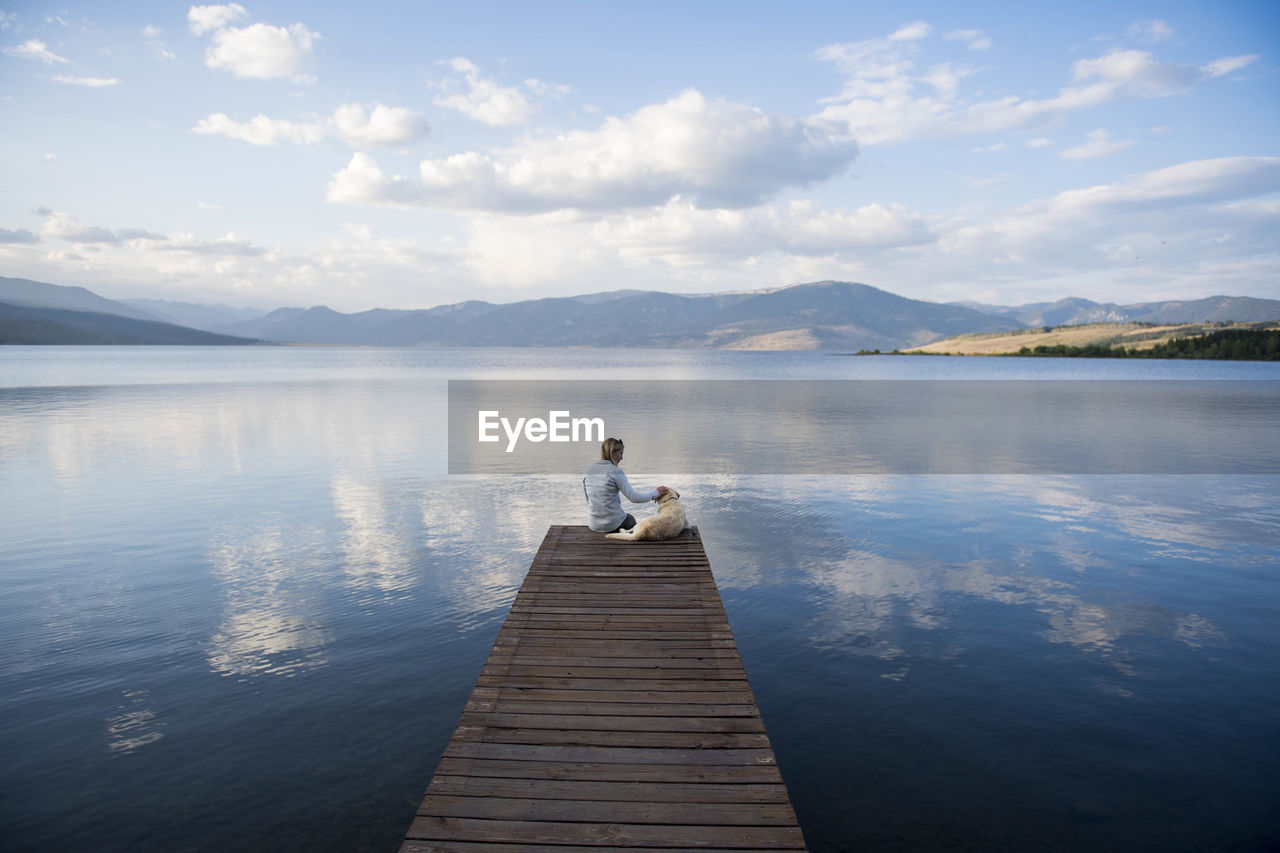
(209,318)
(821,315)
(37,294)
(21,324)
(1077,312)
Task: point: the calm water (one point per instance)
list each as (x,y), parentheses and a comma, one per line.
(242,604)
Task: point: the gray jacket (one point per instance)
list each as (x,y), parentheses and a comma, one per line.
(601,485)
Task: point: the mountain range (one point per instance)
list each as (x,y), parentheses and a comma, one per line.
(817,315)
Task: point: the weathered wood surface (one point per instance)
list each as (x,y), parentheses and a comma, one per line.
(613,712)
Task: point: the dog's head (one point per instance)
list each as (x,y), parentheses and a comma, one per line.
(671,495)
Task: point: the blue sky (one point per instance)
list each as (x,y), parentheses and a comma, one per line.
(406,155)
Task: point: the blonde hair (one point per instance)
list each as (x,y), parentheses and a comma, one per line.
(609,447)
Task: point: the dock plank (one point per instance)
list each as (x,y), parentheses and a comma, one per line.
(613,712)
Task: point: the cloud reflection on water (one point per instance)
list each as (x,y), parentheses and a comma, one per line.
(135,726)
(889,556)
(272,621)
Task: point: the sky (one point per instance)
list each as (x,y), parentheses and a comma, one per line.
(407,155)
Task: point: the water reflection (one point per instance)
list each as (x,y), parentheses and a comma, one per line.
(889,557)
(377,548)
(135,726)
(272,618)
(293,517)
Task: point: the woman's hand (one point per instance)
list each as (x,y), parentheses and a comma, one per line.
(662,490)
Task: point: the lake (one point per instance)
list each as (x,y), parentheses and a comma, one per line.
(243,603)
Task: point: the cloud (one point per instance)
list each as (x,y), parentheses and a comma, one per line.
(990,181)
(973,39)
(1151,31)
(1101,229)
(71,229)
(911,32)
(484,100)
(1039,142)
(682,229)
(260,51)
(261,130)
(1136,73)
(35,49)
(7,19)
(380,126)
(20,235)
(389,126)
(544,89)
(886,98)
(712,152)
(1227,64)
(228,245)
(683,241)
(1099,144)
(151,31)
(92,82)
(362,182)
(202,19)
(1199,181)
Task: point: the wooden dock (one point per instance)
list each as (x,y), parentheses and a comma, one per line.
(613,712)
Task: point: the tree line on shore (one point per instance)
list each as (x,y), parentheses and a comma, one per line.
(1229,344)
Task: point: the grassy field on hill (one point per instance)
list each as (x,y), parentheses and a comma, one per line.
(1131,336)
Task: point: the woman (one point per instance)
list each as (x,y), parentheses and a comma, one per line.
(602,484)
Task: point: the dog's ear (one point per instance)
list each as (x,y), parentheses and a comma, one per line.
(673,493)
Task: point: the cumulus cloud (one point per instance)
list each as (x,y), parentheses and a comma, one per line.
(681,240)
(382,125)
(888,98)
(712,152)
(260,51)
(484,100)
(91,82)
(681,234)
(361,181)
(20,235)
(1098,144)
(261,130)
(35,49)
(203,19)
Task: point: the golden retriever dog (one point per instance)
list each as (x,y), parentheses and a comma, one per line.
(667,524)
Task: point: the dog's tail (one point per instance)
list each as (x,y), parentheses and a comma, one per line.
(624,535)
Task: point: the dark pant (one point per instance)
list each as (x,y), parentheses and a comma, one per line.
(627,523)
